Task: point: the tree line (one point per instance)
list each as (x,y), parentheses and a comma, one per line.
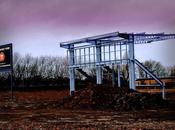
(157,69)
(43,70)
(53,70)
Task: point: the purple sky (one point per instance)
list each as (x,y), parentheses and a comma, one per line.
(37,26)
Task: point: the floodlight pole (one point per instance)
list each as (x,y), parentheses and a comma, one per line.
(131,62)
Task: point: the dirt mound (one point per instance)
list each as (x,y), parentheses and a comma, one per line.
(107,97)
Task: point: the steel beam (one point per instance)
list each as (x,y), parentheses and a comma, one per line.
(89,39)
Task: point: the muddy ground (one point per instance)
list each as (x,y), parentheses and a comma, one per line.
(40,110)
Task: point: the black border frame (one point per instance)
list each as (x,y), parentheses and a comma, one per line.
(8,68)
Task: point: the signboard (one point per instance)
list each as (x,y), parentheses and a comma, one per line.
(6,59)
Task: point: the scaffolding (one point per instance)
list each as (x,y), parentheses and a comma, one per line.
(104,51)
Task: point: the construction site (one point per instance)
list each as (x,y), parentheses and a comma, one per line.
(107,100)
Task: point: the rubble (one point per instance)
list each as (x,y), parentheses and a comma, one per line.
(115,98)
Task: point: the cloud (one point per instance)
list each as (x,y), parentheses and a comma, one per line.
(23,20)
(83,12)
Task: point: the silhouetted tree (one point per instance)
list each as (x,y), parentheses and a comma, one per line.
(155,67)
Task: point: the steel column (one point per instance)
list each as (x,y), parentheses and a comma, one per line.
(131,63)
(118,69)
(113,75)
(98,67)
(71,72)
(163,91)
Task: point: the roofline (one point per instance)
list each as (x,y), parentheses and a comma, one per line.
(124,36)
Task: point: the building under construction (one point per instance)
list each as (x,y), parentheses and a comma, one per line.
(107,51)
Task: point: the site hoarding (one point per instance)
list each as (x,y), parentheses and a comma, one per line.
(6,61)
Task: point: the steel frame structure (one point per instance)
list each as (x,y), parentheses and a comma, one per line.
(108,50)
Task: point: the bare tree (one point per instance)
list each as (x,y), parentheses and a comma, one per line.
(155,67)
(171,70)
